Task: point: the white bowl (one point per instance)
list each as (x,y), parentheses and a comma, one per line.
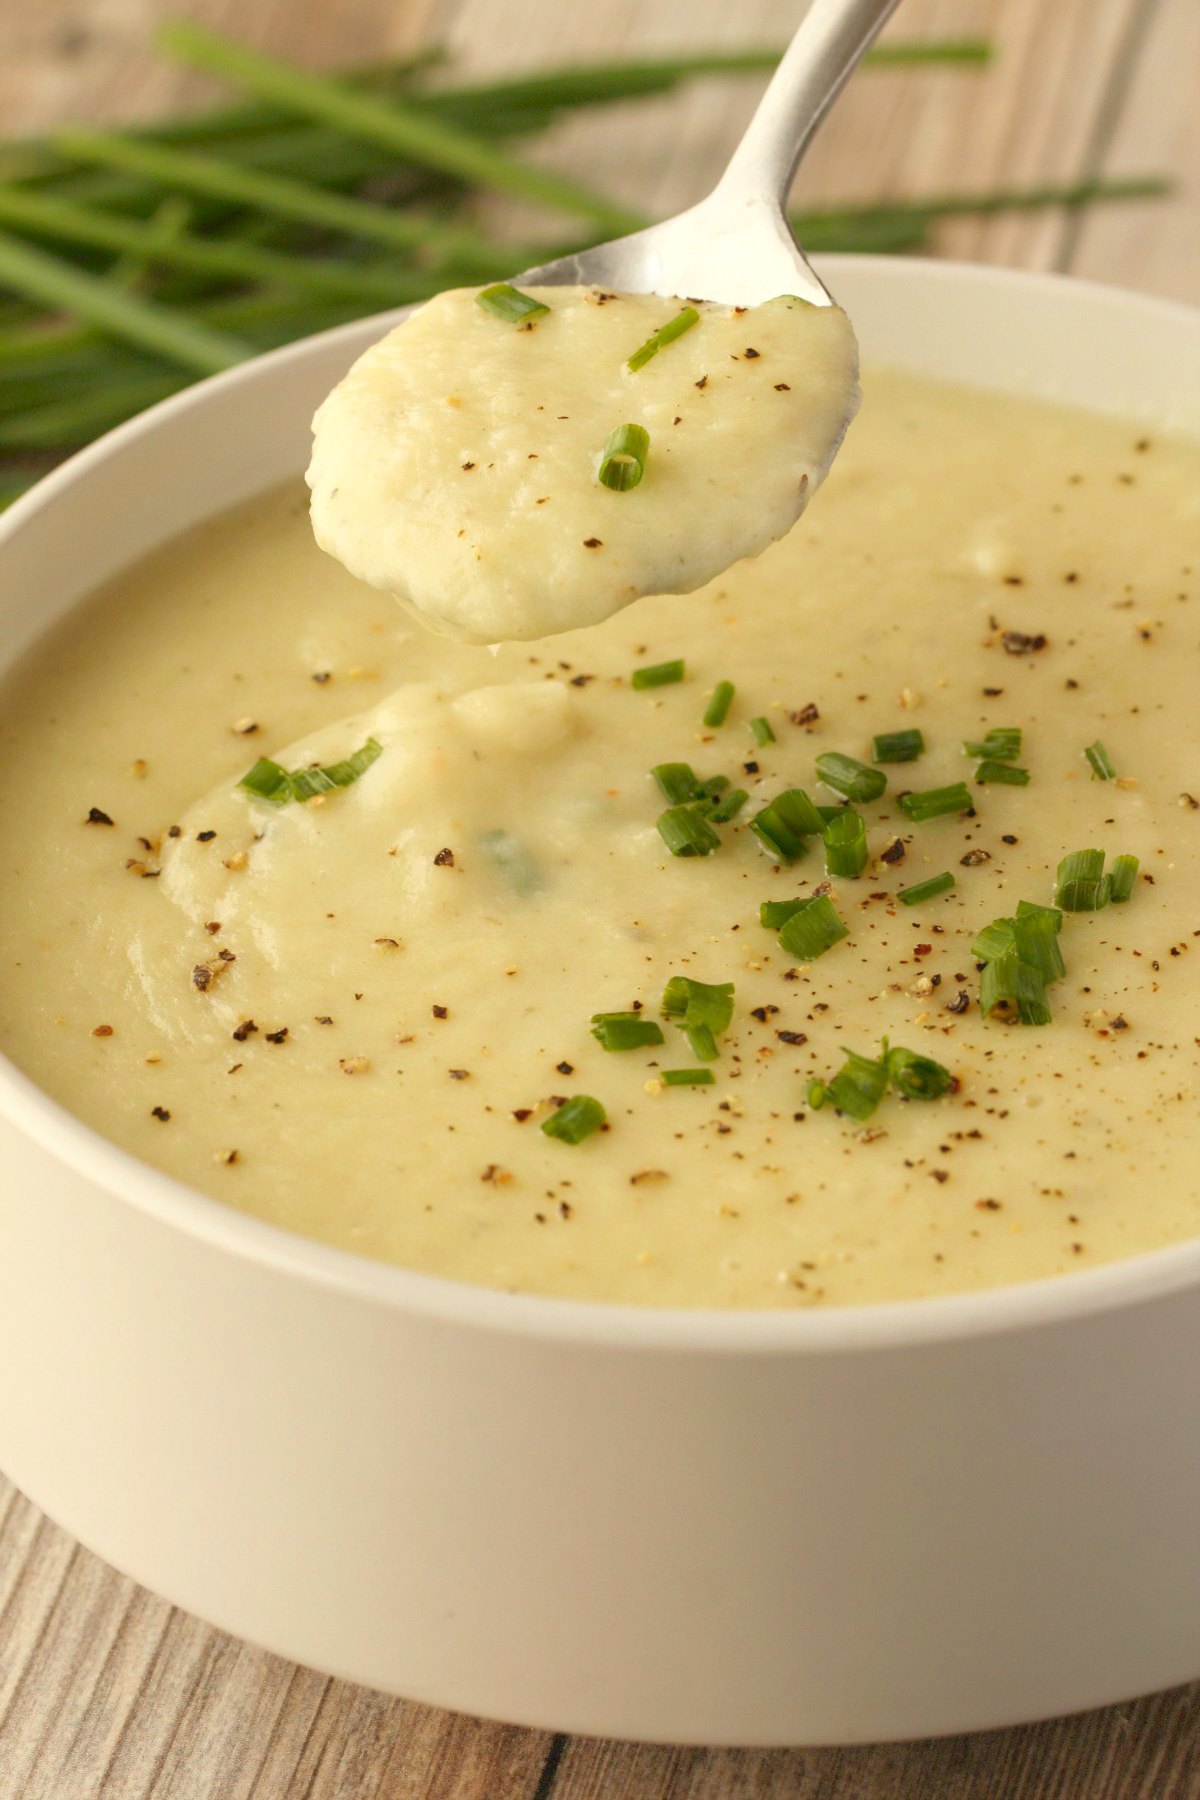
(707,1527)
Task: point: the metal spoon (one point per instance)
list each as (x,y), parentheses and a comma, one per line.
(736,246)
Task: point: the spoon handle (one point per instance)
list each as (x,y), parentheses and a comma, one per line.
(832,37)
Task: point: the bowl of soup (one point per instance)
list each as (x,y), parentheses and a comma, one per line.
(503,1205)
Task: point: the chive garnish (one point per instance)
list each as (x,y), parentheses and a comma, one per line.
(1100,762)
(1002,744)
(783,825)
(707,793)
(623,458)
(1035,931)
(272,782)
(575,1119)
(1124,874)
(686,832)
(677,781)
(862,1081)
(813,929)
(926,890)
(509,303)
(931,803)
(717,710)
(917,1077)
(857,1088)
(657,675)
(729,806)
(1006,774)
(846,844)
(687,1077)
(625,1030)
(666,334)
(702,1011)
(760,731)
(1080,884)
(1015,989)
(897,746)
(774,914)
(846,775)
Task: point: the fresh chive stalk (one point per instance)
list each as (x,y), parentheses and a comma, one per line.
(658,674)
(623,459)
(1015,989)
(856,1089)
(926,890)
(625,1031)
(1100,762)
(575,1119)
(849,777)
(934,803)
(687,1077)
(728,806)
(717,710)
(509,303)
(813,928)
(897,746)
(666,334)
(774,914)
(846,844)
(270,781)
(761,732)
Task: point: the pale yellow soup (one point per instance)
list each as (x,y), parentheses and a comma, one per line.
(411,963)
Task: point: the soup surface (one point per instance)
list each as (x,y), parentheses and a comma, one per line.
(352,1015)
(458,464)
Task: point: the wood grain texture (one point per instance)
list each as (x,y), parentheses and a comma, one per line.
(107,1693)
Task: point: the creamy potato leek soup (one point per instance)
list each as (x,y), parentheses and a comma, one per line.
(480,461)
(826,936)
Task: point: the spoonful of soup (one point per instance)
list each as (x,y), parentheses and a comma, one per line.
(529,457)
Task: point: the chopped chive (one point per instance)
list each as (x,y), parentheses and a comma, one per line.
(625,1030)
(846,844)
(857,1088)
(509,303)
(760,731)
(783,825)
(1080,884)
(1006,774)
(666,334)
(686,833)
(1002,744)
(897,746)
(657,675)
(717,710)
(917,1077)
(677,781)
(268,780)
(729,807)
(931,803)
(1100,762)
(1035,937)
(623,458)
(1015,989)
(846,775)
(514,860)
(689,1003)
(774,914)
(1122,878)
(830,812)
(687,1077)
(702,1041)
(708,792)
(993,941)
(575,1119)
(813,928)
(271,781)
(926,890)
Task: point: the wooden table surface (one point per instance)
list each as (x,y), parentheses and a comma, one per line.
(108,1693)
